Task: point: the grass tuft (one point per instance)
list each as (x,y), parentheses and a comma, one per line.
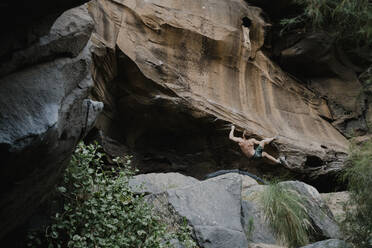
(287,215)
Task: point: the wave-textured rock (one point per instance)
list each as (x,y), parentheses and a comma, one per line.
(44,111)
(172,73)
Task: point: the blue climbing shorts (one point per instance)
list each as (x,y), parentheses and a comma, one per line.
(258,152)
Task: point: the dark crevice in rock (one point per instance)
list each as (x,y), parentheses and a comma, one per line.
(327,183)
(313,161)
(278,9)
(246,22)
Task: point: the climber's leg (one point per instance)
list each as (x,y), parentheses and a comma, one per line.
(271,158)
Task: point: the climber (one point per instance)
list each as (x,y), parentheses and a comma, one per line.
(247,147)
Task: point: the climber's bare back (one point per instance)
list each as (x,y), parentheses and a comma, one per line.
(247,147)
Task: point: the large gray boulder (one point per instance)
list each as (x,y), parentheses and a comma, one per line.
(254,224)
(253,217)
(212,208)
(44,112)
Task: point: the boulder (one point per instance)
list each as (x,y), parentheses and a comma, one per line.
(321,216)
(255,226)
(330,243)
(44,112)
(153,183)
(336,202)
(173,73)
(259,231)
(212,208)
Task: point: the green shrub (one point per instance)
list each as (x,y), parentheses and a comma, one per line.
(358,222)
(100,210)
(287,215)
(349,21)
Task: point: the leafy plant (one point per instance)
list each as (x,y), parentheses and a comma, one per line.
(100,210)
(358,222)
(349,21)
(287,215)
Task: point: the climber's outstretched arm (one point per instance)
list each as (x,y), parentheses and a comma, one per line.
(244,134)
(232,137)
(256,142)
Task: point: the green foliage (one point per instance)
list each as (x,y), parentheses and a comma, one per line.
(358,174)
(350,21)
(287,215)
(100,210)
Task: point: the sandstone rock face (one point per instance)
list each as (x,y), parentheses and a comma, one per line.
(172,73)
(44,111)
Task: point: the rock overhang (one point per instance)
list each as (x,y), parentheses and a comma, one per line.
(193,59)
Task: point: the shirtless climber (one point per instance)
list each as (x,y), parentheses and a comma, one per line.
(247,147)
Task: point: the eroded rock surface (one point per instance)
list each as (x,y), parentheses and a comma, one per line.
(44,111)
(172,73)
